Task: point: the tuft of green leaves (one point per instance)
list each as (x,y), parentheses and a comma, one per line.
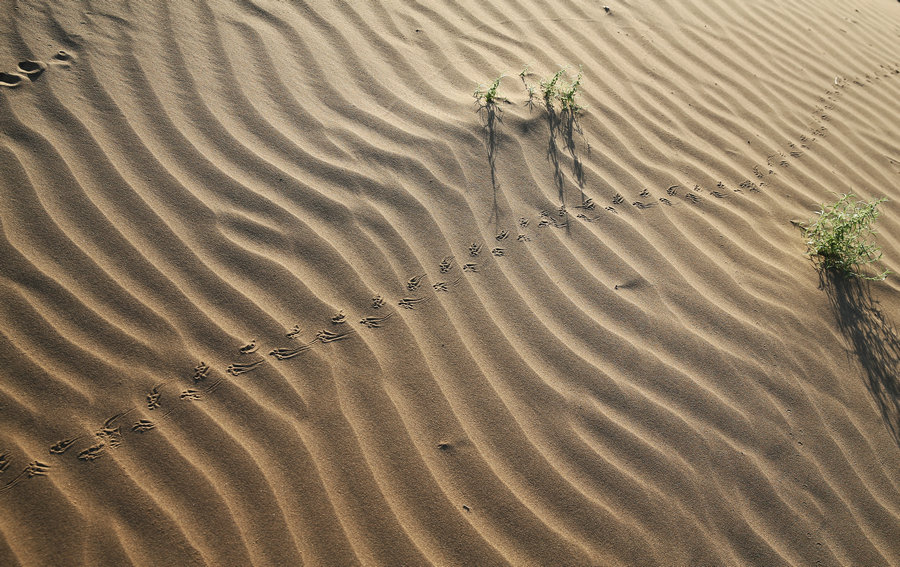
(840,237)
(549,89)
(567,95)
(488,95)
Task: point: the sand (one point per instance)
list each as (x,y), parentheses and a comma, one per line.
(275,290)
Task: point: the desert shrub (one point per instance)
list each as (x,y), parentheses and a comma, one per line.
(841,237)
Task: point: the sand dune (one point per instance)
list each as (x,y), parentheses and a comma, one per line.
(275,291)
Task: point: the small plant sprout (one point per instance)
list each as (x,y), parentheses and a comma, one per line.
(567,95)
(549,89)
(526,70)
(840,236)
(487,96)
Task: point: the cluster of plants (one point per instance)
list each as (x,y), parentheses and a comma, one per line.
(841,236)
(553,90)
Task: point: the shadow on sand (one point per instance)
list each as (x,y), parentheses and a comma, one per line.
(873,339)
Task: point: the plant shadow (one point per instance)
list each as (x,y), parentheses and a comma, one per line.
(873,339)
(492,116)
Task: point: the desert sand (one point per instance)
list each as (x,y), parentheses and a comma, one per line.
(276,290)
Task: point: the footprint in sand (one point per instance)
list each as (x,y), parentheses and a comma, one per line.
(523,222)
(374,322)
(672,191)
(665,201)
(612,210)
(643,206)
(190,395)
(750,186)
(377,302)
(692,198)
(339,318)
(61,447)
(618,199)
(249,348)
(153,397)
(645,193)
(498,252)
(143,425)
(4,461)
(446,264)
(470,267)
(200,371)
(31,69)
(444,286)
(502,235)
(293,333)
(286,353)
(236,369)
(474,249)
(411,302)
(92,453)
(587,205)
(62,57)
(414,283)
(523,238)
(329,337)
(11,80)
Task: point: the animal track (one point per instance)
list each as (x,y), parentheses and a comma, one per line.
(523,222)
(502,235)
(236,369)
(498,252)
(411,302)
(474,249)
(692,198)
(153,397)
(643,206)
(4,461)
(143,425)
(587,205)
(10,80)
(470,267)
(618,199)
(414,283)
(672,190)
(286,353)
(645,193)
(377,302)
(339,318)
(665,201)
(249,348)
(93,452)
(61,447)
(374,322)
(31,69)
(523,238)
(36,468)
(190,395)
(446,264)
(329,337)
(293,333)
(200,371)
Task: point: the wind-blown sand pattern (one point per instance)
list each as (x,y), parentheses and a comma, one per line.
(276,292)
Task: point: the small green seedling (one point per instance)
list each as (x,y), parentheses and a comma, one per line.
(548,88)
(526,70)
(487,96)
(840,237)
(567,96)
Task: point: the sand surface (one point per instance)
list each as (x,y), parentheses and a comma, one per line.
(275,291)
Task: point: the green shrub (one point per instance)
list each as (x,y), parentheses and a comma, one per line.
(840,237)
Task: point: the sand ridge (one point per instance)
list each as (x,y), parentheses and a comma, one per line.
(276,291)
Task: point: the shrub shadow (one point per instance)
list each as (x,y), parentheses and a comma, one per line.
(873,339)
